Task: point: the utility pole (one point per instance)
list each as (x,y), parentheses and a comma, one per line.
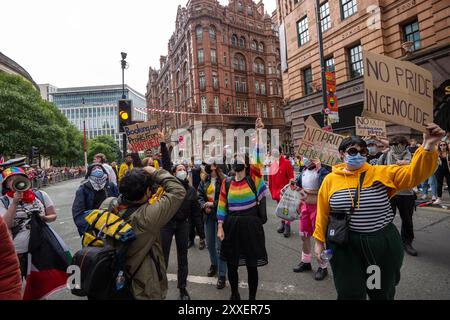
(124,65)
(84,137)
(322,63)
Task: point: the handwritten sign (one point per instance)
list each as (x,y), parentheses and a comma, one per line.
(143,136)
(318,143)
(397,91)
(370,127)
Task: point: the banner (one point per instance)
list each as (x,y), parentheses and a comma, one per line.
(318,143)
(143,136)
(397,91)
(370,127)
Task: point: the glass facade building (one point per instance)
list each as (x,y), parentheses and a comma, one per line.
(98,106)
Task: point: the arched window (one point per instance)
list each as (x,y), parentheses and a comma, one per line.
(185,70)
(240,6)
(239,62)
(234,40)
(261,47)
(212,32)
(259,66)
(254,45)
(242,42)
(199,32)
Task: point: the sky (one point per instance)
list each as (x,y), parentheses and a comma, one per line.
(70,43)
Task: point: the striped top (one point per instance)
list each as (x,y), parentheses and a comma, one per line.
(240,196)
(375,211)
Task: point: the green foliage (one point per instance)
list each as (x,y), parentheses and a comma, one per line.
(103,144)
(28,120)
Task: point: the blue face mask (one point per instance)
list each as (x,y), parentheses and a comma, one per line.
(372,150)
(97,173)
(356,161)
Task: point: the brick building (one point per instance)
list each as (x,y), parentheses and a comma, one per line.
(223,62)
(414,30)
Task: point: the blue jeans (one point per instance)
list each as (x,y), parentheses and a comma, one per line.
(431,181)
(213,245)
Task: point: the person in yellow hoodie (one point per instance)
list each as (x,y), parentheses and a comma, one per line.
(126,166)
(374,243)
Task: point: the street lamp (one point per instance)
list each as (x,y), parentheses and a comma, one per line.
(124,66)
(84,139)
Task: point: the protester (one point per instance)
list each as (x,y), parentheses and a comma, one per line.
(280,173)
(240,227)
(101,158)
(310,180)
(91,194)
(404,200)
(374,152)
(145,257)
(193,230)
(178,226)
(126,166)
(413,146)
(442,171)
(115,169)
(372,237)
(208,197)
(10,282)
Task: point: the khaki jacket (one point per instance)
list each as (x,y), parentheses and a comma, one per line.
(150,280)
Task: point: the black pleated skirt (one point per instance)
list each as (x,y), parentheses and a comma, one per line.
(244,243)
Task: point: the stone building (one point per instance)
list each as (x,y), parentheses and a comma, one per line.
(413,30)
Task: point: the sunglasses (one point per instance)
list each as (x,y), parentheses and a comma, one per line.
(355,151)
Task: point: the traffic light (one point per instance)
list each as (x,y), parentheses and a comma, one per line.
(125,114)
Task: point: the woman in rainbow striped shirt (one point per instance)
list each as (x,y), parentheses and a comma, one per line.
(240,228)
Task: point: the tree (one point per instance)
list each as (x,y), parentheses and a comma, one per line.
(103,144)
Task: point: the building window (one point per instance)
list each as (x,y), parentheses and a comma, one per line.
(329,64)
(348,8)
(216,105)
(264,106)
(257,87)
(302,31)
(242,42)
(258,108)
(261,47)
(237,85)
(238,107)
(225,59)
(273,110)
(239,62)
(250,11)
(234,40)
(245,107)
(201,56)
(213,56)
(258,66)
(212,33)
(411,33)
(263,88)
(307,80)
(325,20)
(243,85)
(204,107)
(215,79)
(271,88)
(202,80)
(254,45)
(199,33)
(356,61)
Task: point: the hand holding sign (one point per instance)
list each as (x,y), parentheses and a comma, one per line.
(433,135)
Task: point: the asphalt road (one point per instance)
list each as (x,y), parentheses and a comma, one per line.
(424,277)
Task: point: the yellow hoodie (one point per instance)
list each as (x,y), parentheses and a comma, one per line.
(395,177)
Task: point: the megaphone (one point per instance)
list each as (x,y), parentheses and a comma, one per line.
(20,184)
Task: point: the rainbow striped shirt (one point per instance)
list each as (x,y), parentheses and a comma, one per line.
(240,196)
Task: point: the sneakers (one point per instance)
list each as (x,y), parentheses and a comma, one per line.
(221,283)
(438,201)
(281,228)
(212,271)
(424,197)
(184,295)
(410,250)
(202,244)
(287,231)
(302,267)
(433,198)
(321,274)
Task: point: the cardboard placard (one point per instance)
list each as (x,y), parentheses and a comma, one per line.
(143,136)
(370,127)
(397,91)
(318,143)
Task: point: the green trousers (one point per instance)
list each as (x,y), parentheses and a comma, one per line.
(369,264)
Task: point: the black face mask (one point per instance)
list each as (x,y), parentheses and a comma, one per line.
(312,167)
(238,167)
(208,169)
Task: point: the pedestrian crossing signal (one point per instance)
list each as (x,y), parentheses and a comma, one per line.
(125,114)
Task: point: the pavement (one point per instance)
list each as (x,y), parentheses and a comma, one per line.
(426,277)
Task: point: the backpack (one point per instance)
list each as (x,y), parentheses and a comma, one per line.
(103,266)
(5,200)
(260,205)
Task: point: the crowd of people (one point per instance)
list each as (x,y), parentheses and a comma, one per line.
(347,209)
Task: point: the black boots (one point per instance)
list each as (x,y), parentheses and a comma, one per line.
(287,230)
(221,283)
(184,295)
(302,267)
(212,271)
(321,274)
(410,250)
(281,228)
(235,296)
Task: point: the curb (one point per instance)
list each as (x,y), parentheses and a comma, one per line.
(441,210)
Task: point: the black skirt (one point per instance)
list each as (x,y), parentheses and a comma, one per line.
(244,243)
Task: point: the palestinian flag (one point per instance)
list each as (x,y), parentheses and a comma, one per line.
(48,260)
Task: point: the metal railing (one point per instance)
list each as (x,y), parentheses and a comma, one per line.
(48,179)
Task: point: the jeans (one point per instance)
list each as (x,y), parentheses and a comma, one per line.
(430,182)
(213,245)
(181,231)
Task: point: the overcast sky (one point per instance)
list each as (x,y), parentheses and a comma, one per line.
(78,42)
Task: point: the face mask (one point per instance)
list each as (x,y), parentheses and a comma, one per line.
(398,149)
(198,162)
(181,175)
(372,150)
(312,167)
(356,161)
(307,162)
(97,173)
(208,169)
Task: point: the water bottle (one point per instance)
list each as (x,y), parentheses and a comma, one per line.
(326,255)
(120,281)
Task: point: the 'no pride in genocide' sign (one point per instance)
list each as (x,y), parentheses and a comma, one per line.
(143,136)
(397,91)
(370,127)
(318,143)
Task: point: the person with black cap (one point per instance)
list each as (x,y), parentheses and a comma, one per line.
(91,194)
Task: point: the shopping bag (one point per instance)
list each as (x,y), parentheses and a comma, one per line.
(288,207)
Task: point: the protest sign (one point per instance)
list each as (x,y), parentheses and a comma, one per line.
(370,127)
(143,136)
(397,91)
(318,143)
